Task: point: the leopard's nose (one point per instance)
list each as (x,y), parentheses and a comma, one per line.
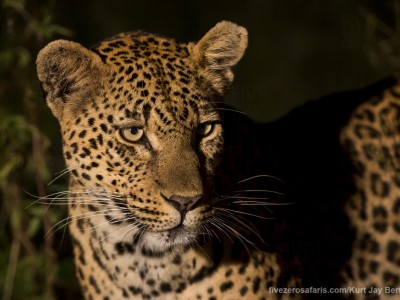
(184,204)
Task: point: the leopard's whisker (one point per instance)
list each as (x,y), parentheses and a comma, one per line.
(260,203)
(260,176)
(237,218)
(215,221)
(129,226)
(139,238)
(68,220)
(233,223)
(237,234)
(239,196)
(211,231)
(135,225)
(56,195)
(56,227)
(259,191)
(241,212)
(229,109)
(112,220)
(81,200)
(246,198)
(202,250)
(62,173)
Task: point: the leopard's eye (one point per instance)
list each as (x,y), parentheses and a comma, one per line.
(131,134)
(204,129)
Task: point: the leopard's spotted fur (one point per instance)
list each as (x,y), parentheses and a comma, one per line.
(372,139)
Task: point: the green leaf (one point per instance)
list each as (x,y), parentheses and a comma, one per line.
(33,227)
(18,5)
(7,57)
(12,164)
(15,219)
(24,57)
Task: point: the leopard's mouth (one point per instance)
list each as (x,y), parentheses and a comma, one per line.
(165,240)
(180,234)
(180,230)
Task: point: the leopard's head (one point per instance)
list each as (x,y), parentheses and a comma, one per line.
(140,124)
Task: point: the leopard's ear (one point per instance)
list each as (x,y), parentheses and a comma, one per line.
(70,75)
(218,51)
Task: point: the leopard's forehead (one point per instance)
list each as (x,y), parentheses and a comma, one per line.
(133,45)
(149,72)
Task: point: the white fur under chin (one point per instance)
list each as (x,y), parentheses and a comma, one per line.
(165,240)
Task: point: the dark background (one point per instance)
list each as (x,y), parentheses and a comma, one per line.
(298,51)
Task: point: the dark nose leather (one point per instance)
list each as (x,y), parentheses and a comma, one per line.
(184,204)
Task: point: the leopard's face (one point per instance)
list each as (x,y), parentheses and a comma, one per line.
(153,149)
(140,129)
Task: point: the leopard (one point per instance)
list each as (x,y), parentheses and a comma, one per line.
(371,138)
(143,140)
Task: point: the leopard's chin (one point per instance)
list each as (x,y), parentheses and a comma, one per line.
(166,240)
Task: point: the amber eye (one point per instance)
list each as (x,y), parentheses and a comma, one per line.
(131,134)
(204,129)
